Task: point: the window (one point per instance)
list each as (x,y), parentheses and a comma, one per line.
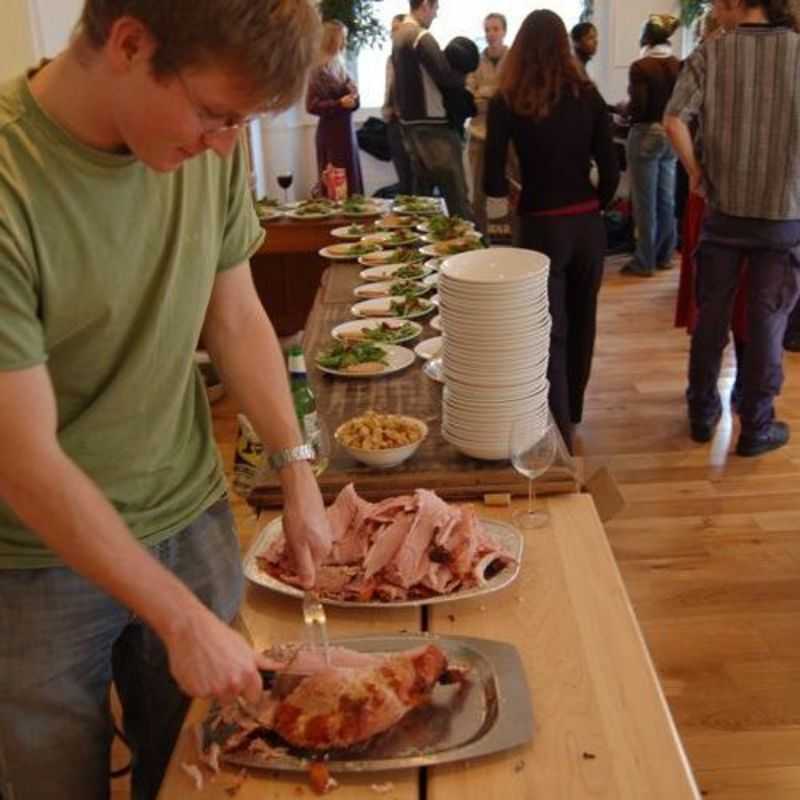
(452,21)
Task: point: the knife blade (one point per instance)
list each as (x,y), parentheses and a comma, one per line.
(316,624)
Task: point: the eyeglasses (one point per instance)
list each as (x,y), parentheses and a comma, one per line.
(214,124)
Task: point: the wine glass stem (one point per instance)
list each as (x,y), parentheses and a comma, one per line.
(530,495)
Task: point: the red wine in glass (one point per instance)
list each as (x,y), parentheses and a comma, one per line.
(285,181)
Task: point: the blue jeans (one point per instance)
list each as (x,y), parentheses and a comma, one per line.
(772,249)
(62,641)
(651,162)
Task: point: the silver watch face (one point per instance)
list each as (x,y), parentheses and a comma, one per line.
(303,452)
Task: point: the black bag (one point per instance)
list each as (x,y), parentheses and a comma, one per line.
(373,138)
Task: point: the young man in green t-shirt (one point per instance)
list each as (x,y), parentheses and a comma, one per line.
(125,233)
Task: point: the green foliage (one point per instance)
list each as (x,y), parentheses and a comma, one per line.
(691,10)
(365,29)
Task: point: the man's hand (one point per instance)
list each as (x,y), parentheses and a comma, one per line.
(209,659)
(305,522)
(348,101)
(697,183)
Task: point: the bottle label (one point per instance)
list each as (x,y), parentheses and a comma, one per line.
(310,424)
(297,364)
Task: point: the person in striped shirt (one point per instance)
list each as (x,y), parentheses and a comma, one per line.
(743,91)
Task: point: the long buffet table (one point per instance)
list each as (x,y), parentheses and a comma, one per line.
(602,727)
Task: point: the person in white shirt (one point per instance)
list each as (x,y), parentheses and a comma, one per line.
(483,84)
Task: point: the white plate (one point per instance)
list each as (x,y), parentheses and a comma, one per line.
(425,227)
(383,238)
(504,534)
(384,258)
(338,252)
(342,233)
(433,369)
(430,208)
(357,326)
(393,222)
(320,215)
(383,289)
(388,272)
(398,358)
(368,211)
(268,213)
(431,280)
(469,234)
(434,250)
(436,300)
(428,348)
(436,323)
(434,263)
(381,307)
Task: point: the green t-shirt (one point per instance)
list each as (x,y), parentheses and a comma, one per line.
(106,269)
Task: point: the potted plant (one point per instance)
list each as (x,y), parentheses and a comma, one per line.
(363,26)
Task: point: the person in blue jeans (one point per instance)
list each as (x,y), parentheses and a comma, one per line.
(651,159)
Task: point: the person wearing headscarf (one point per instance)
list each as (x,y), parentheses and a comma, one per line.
(651,158)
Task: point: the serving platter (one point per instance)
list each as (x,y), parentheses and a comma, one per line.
(352,231)
(505,535)
(355,327)
(489,712)
(398,358)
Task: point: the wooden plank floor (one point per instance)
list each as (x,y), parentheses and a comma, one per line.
(708,544)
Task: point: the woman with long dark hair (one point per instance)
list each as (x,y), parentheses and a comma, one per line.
(558,124)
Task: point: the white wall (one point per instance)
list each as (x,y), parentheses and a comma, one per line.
(33,29)
(619,24)
(16,39)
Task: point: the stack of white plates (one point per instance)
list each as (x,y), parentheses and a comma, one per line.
(497,341)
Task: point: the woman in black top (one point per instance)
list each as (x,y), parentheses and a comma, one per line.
(558,123)
(650,156)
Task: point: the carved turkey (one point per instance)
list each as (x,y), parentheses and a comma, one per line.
(339,707)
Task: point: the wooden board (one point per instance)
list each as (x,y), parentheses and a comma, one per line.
(437,464)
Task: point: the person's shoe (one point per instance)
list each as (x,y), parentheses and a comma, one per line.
(702,430)
(665,266)
(773,437)
(791,342)
(635,268)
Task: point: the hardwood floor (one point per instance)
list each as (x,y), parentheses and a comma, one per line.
(708,544)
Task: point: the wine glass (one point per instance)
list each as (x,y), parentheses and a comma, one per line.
(532,446)
(285,181)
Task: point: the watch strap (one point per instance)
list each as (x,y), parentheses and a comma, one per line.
(282,458)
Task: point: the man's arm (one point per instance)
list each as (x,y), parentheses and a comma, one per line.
(432,58)
(54,498)
(681,139)
(244,348)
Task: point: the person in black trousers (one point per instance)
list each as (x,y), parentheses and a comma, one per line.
(558,124)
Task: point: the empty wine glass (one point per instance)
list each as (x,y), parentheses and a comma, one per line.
(285,181)
(532,447)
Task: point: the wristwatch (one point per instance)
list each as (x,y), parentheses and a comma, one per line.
(282,458)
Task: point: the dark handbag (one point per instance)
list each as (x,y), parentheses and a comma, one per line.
(373,138)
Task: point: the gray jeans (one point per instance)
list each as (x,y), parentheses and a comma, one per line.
(437,159)
(62,641)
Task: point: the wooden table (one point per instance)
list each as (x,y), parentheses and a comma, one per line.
(603,730)
(437,464)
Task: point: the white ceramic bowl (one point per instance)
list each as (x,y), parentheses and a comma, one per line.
(389,457)
(496,265)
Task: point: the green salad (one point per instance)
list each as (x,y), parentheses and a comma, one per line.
(389,333)
(408,306)
(361,248)
(406,287)
(442,228)
(411,272)
(340,355)
(403,256)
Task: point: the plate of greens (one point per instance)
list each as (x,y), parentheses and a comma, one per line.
(392,239)
(386,330)
(355,231)
(349,252)
(363,359)
(453,247)
(401,256)
(359,206)
(312,210)
(396,288)
(403,307)
(391,272)
(424,206)
(442,228)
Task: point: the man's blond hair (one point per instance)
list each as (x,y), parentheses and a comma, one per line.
(270,43)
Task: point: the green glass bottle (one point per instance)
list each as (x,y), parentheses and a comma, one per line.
(305,406)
